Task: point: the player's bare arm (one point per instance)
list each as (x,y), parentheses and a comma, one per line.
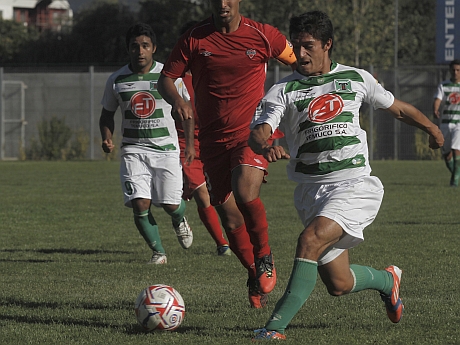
(182,110)
(258,142)
(189,132)
(107,126)
(436,105)
(410,115)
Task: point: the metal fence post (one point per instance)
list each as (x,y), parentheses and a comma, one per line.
(2,118)
(91,110)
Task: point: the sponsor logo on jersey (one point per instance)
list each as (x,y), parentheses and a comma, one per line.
(251,53)
(205,53)
(123,87)
(153,85)
(454,98)
(142,104)
(324,108)
(307,92)
(343,85)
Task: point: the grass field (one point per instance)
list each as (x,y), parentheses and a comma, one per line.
(72,263)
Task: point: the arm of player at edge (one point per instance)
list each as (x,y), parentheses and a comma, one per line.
(410,115)
(106,127)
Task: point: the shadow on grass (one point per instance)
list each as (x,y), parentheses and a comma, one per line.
(66,251)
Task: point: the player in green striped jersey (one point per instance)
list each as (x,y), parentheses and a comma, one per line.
(317,107)
(150,170)
(446,108)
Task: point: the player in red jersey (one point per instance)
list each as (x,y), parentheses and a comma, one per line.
(194,180)
(227,55)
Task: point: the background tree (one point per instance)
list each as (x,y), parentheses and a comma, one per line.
(364,30)
(14,37)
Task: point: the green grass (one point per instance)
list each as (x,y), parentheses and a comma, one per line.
(72,263)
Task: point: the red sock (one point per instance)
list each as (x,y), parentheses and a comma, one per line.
(241,245)
(255,219)
(210,220)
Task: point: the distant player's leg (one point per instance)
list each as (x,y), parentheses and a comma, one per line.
(247,177)
(195,187)
(210,219)
(167,187)
(148,228)
(136,185)
(456,170)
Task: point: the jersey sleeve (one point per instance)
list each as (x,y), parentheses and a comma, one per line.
(377,96)
(287,56)
(109,100)
(439,92)
(282,49)
(182,89)
(177,63)
(271,108)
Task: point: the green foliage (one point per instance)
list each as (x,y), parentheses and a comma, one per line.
(55,142)
(72,263)
(79,146)
(364,30)
(14,37)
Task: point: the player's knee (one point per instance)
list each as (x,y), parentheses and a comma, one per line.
(338,289)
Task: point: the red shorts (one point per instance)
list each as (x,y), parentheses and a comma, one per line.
(218,162)
(193,174)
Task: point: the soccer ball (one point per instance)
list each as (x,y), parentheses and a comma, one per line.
(159,307)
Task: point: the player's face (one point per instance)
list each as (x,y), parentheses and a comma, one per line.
(141,50)
(225,11)
(455,73)
(312,56)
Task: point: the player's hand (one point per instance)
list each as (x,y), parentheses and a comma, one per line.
(108,146)
(273,153)
(182,111)
(189,154)
(436,142)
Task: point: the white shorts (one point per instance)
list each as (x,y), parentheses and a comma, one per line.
(154,176)
(451,133)
(353,204)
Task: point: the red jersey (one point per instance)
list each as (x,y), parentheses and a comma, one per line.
(228,71)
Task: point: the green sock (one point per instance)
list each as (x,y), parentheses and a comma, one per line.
(456,172)
(450,164)
(301,284)
(148,228)
(178,214)
(370,278)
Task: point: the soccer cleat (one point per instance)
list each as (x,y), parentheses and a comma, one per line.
(184,234)
(256,299)
(158,259)
(224,250)
(393,303)
(266,273)
(264,334)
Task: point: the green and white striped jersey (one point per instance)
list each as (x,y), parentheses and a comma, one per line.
(147,123)
(319,116)
(449,94)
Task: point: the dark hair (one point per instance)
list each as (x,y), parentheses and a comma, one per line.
(138,30)
(454,62)
(187,26)
(315,23)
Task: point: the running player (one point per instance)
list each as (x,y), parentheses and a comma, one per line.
(317,108)
(150,169)
(194,180)
(448,95)
(227,55)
